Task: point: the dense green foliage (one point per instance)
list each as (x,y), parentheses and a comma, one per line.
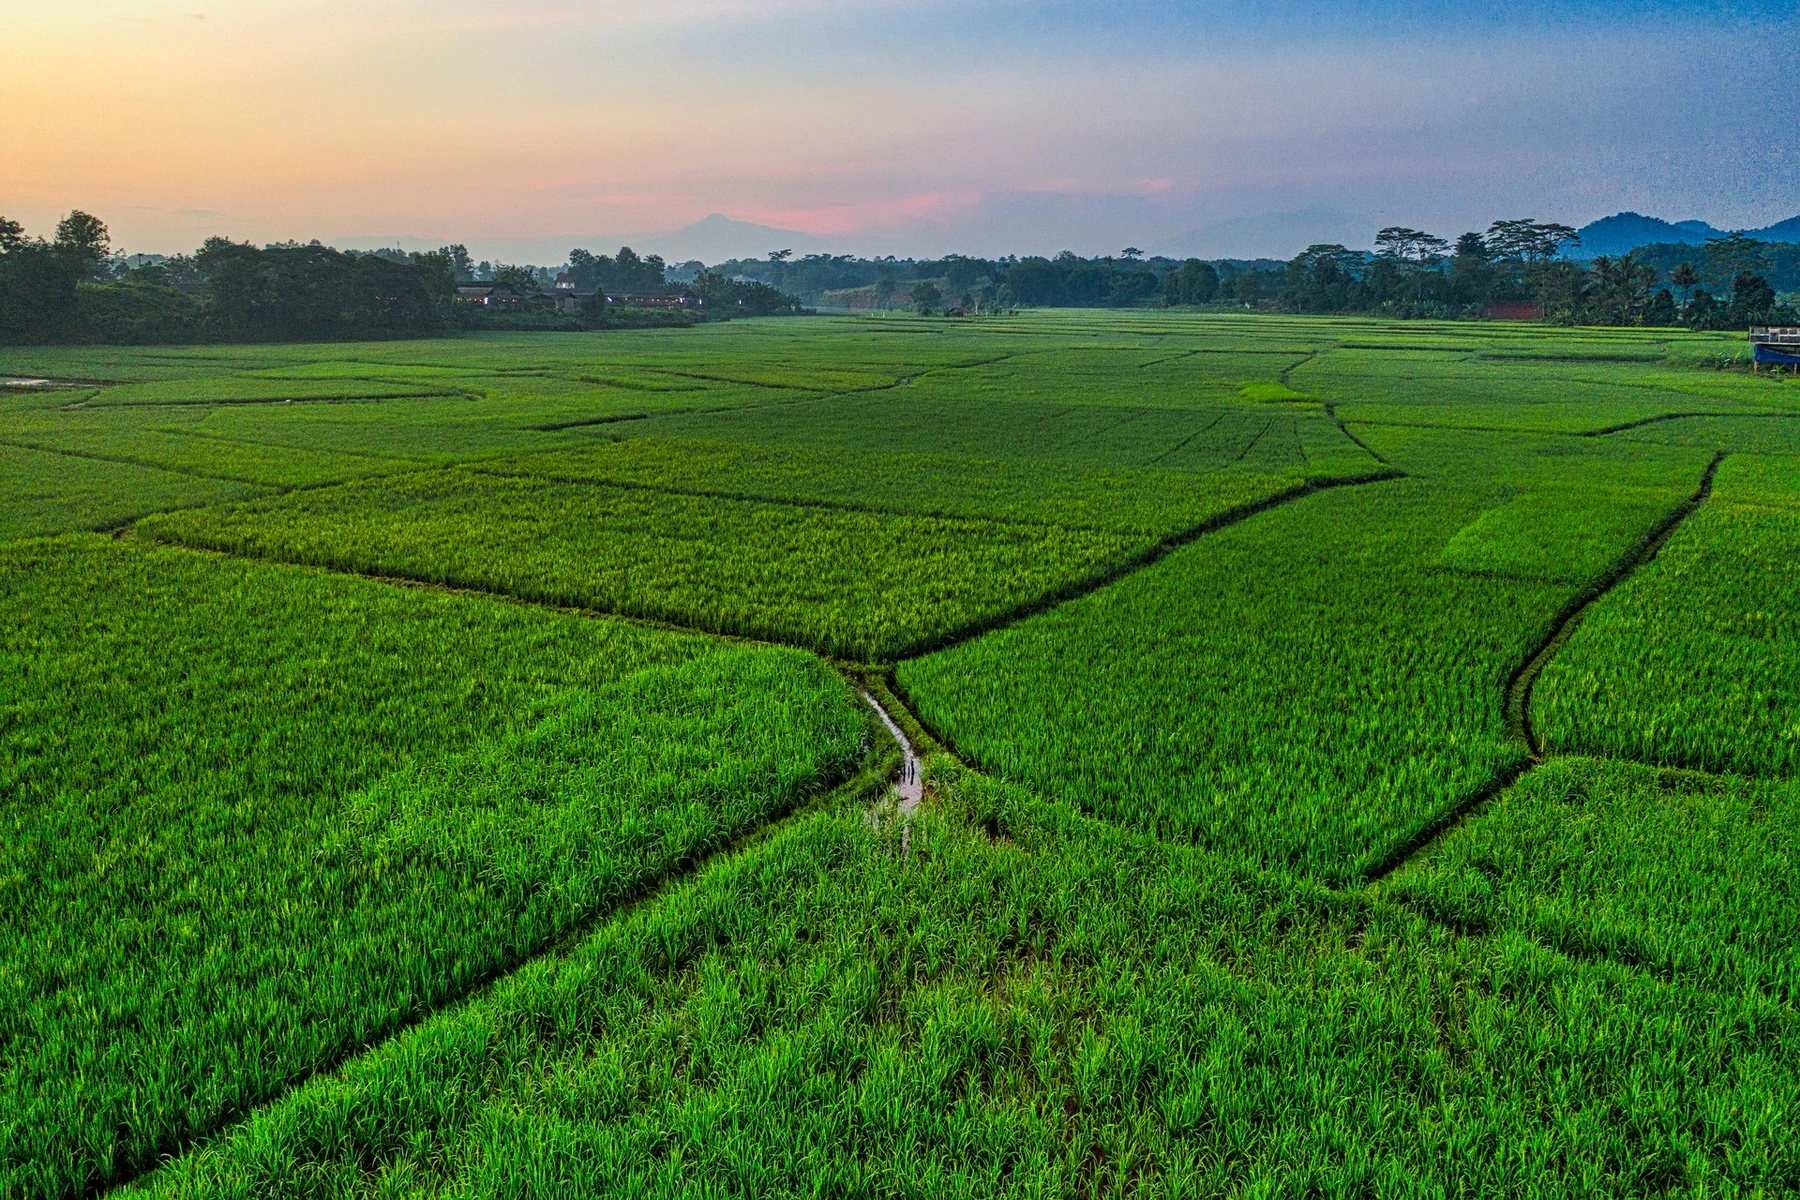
(76,290)
(851,583)
(1695,661)
(40,281)
(257,817)
(1300,689)
(1782,260)
(65,291)
(1279,885)
(1134,502)
(1681,873)
(1519,264)
(294,293)
(957,281)
(1060,1009)
(58,493)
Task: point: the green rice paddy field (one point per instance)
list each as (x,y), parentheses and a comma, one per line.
(1360,760)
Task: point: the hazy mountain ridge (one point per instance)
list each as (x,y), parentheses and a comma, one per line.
(1624,232)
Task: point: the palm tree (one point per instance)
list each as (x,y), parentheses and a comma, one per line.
(1684,276)
(1622,285)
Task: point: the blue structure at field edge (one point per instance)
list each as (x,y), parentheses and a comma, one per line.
(1779,344)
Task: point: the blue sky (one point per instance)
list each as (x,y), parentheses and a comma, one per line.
(880,125)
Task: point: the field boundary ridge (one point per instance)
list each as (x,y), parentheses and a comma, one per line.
(1517,704)
(1149,557)
(875,772)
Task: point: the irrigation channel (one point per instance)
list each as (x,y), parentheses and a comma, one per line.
(1517,697)
(909,789)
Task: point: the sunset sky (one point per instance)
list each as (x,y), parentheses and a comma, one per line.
(885,125)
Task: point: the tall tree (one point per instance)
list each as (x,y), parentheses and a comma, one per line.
(84,238)
(37,287)
(456,258)
(1247,288)
(1193,282)
(1325,262)
(1471,270)
(1321,278)
(1621,288)
(1733,255)
(627,272)
(1684,277)
(1528,241)
(1473,247)
(1753,302)
(522,280)
(1413,247)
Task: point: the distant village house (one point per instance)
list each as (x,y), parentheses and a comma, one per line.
(659,298)
(488,295)
(566,297)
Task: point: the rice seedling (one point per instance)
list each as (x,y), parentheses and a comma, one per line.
(1528,393)
(1294,689)
(259,390)
(258,817)
(428,429)
(1760,433)
(854,584)
(1687,875)
(1043,432)
(43,492)
(1565,535)
(1054,1008)
(184,445)
(1137,502)
(1301,689)
(1692,662)
(313,883)
(1508,463)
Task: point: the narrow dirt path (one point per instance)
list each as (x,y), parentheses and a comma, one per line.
(909,789)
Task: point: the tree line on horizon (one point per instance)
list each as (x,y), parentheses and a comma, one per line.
(1522,263)
(76,288)
(1515,265)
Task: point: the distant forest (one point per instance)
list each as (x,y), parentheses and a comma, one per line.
(1517,267)
(1514,267)
(76,288)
